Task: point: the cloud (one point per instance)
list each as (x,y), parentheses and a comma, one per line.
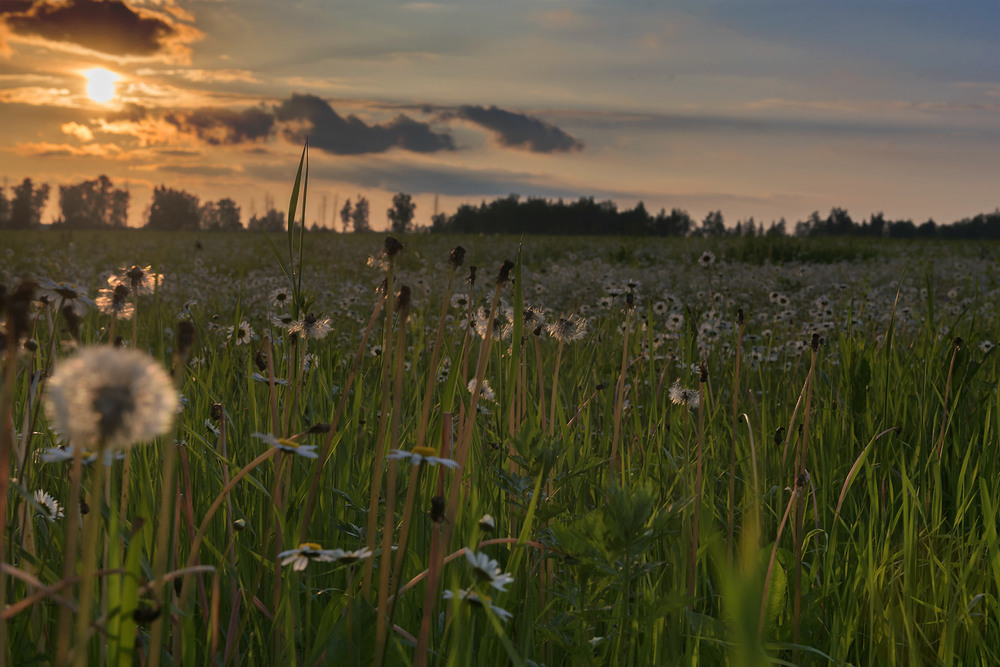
(223,127)
(516,130)
(47,149)
(332,133)
(81,132)
(110,27)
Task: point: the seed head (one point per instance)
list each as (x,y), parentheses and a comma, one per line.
(109,397)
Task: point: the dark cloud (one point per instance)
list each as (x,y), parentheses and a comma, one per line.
(517,130)
(223,127)
(331,132)
(110,26)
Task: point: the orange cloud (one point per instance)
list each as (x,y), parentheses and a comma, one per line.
(48,149)
(81,132)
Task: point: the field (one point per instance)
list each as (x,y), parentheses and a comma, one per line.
(597,452)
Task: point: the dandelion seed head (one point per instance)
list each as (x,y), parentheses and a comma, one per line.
(111,397)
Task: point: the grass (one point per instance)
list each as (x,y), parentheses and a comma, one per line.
(840,515)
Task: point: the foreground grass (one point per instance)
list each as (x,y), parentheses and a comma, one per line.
(825,490)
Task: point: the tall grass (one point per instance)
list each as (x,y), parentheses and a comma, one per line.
(831,500)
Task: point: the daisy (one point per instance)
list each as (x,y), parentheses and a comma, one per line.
(707,259)
(419,455)
(280,297)
(479,600)
(110,397)
(50,506)
(288,445)
(299,557)
(66,293)
(60,454)
(488,570)
(241,334)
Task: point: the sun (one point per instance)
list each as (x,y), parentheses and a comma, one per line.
(100,84)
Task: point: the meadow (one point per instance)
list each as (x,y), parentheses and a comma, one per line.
(453,450)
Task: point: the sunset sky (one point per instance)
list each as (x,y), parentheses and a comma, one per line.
(763,108)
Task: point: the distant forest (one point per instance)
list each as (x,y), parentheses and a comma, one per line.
(98,204)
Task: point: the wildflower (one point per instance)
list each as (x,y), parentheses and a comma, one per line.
(681,396)
(459,300)
(487,523)
(280,297)
(985,346)
(283,321)
(487,570)
(348,557)
(674,321)
(68,294)
(707,259)
(288,445)
(138,279)
(61,454)
(109,397)
(419,455)
(568,329)
(299,557)
(114,301)
(660,308)
(241,334)
(263,378)
(479,600)
(486,392)
(50,506)
(311,326)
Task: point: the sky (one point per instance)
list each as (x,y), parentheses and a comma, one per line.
(767,109)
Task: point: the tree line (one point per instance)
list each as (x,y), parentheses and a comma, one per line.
(98,204)
(512,215)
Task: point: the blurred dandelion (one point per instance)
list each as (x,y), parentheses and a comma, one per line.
(110,397)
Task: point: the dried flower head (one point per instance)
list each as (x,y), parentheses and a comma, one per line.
(138,279)
(457,256)
(110,397)
(568,329)
(114,301)
(682,396)
(311,326)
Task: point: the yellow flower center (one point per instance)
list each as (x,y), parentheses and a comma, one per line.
(310,546)
(424,451)
(285,442)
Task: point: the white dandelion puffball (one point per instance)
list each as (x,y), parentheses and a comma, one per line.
(108,397)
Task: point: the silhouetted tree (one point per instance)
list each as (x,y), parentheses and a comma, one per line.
(345,216)
(223,216)
(272,221)
(401,213)
(27,204)
(359,216)
(173,210)
(93,204)
(713,224)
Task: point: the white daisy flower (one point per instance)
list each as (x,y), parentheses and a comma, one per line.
(419,455)
(51,509)
(488,570)
(288,445)
(479,600)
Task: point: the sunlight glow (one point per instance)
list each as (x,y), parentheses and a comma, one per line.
(100,84)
